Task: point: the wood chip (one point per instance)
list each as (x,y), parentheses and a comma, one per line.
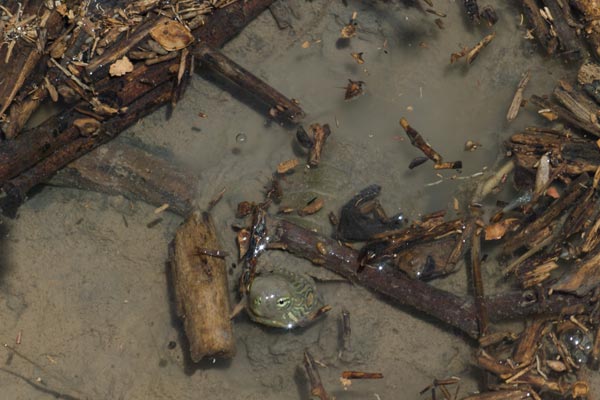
(312,207)
(287,166)
(172,35)
(121,67)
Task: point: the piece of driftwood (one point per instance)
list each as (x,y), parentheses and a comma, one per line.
(478,292)
(201,289)
(279,106)
(566,115)
(591,17)
(529,231)
(569,44)
(122,168)
(62,140)
(581,106)
(514,394)
(515,105)
(16,189)
(417,140)
(540,27)
(454,310)
(584,279)
(527,346)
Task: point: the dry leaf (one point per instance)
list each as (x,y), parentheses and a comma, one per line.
(358,57)
(172,35)
(306,45)
(121,67)
(354,89)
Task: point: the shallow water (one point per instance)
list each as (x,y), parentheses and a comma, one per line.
(83,277)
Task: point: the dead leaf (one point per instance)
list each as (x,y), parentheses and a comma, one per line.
(358,57)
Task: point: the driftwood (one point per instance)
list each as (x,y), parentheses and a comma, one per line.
(64,138)
(559,15)
(201,291)
(591,17)
(515,105)
(417,140)
(456,311)
(125,169)
(540,27)
(279,106)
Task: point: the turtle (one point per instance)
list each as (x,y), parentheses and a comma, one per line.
(283,299)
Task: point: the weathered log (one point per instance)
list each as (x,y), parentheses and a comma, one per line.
(16,189)
(581,106)
(201,289)
(279,106)
(128,170)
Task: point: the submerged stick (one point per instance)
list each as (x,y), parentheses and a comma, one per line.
(316,385)
(201,290)
(280,107)
(515,105)
(447,307)
(417,140)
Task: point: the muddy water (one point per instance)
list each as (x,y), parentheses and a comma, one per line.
(83,277)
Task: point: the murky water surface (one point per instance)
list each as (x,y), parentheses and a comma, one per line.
(83,278)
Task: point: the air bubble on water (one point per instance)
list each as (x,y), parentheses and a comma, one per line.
(241,137)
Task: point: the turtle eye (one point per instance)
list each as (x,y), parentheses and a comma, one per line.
(283,302)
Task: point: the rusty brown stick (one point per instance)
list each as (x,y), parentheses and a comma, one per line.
(417,140)
(280,107)
(316,385)
(478,294)
(361,375)
(449,308)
